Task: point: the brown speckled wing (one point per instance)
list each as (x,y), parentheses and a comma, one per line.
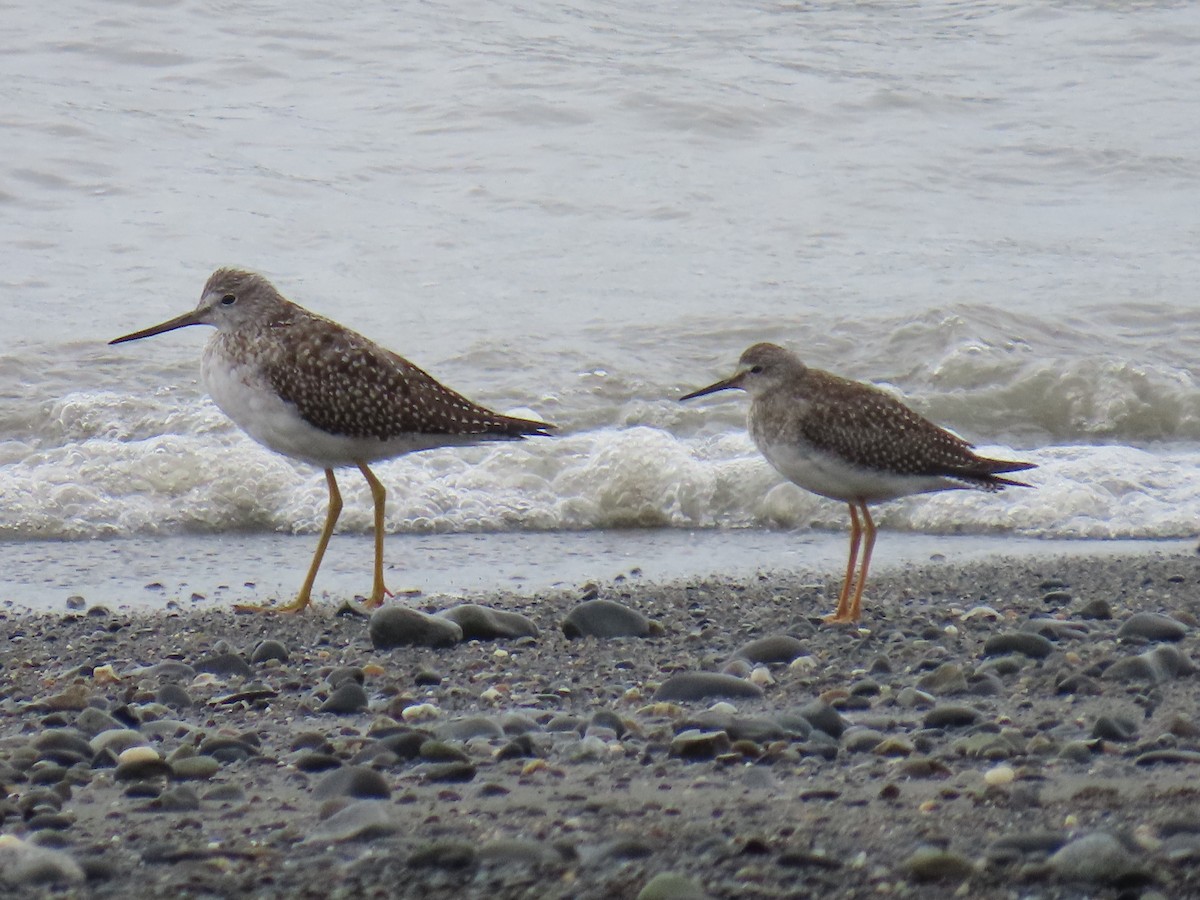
(347,385)
(870,428)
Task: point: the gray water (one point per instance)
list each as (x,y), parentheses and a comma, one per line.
(583,211)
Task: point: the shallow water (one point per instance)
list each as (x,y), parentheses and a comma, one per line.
(585,211)
(187,572)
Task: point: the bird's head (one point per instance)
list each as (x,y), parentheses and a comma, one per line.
(231,299)
(761,368)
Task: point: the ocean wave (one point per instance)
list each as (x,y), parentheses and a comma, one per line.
(214,480)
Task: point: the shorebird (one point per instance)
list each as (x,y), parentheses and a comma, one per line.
(852,442)
(314,390)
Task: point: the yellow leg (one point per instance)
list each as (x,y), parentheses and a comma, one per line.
(856,606)
(379,494)
(850,606)
(305,596)
(843,606)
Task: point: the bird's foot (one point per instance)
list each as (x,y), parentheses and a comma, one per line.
(839,618)
(378,595)
(297,605)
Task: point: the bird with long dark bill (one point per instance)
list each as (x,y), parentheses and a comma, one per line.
(852,442)
(315,391)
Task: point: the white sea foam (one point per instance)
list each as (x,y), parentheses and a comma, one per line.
(110,465)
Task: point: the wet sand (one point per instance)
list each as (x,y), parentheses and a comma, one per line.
(1000,729)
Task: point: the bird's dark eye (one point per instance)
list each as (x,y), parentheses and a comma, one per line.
(228,300)
(756,370)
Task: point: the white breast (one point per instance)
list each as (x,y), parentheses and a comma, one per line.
(243,394)
(823,474)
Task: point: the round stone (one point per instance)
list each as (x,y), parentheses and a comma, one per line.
(399,626)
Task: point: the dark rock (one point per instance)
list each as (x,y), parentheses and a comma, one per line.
(225,665)
(1114,728)
(1152,626)
(444,854)
(687,686)
(174,696)
(1096,858)
(1026,643)
(399,626)
(363,820)
(482,623)
(1155,666)
(951,716)
(469,727)
(605,619)
(453,772)
(695,745)
(824,718)
(776,648)
(268,650)
(1096,609)
(348,697)
(352,781)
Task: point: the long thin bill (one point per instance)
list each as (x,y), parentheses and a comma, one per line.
(724,385)
(188,318)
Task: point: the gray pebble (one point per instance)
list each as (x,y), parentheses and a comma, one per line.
(605,619)
(227,749)
(824,718)
(776,648)
(362,820)
(606,718)
(936,864)
(444,854)
(345,673)
(1155,666)
(694,745)
(706,685)
(440,751)
(482,623)
(268,650)
(951,716)
(352,781)
(1170,755)
(399,626)
(1114,728)
(25,864)
(348,697)
(517,852)
(174,696)
(469,727)
(179,798)
(171,670)
(759,729)
(225,665)
(92,721)
(195,767)
(1152,626)
(858,739)
(948,678)
(1096,609)
(1026,643)
(672,886)
(63,745)
(453,772)
(1095,858)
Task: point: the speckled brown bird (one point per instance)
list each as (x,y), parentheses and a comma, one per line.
(309,388)
(851,442)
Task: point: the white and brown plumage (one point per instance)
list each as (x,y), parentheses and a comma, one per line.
(851,442)
(309,388)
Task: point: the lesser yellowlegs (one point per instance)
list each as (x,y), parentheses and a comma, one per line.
(311,389)
(851,442)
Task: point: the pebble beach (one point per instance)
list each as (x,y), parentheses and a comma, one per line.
(1000,729)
